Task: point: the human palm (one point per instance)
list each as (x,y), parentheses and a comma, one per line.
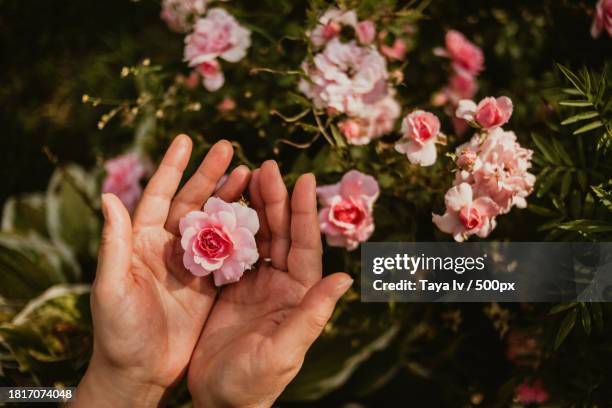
(256,336)
(148,309)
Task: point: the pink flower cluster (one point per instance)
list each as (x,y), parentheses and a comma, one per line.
(220,240)
(492,173)
(181,14)
(467,61)
(346,217)
(216,36)
(350,78)
(603,18)
(123,176)
(420,131)
(527,393)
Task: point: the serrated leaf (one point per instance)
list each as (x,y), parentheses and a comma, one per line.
(567,325)
(589,127)
(579,117)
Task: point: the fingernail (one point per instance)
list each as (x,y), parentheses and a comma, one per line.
(343,287)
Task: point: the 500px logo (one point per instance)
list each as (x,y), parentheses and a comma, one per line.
(412,264)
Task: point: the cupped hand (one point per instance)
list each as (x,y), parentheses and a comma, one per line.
(148,310)
(260,328)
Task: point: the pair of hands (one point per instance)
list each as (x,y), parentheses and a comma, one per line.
(154,321)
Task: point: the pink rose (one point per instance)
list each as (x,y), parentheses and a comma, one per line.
(466,57)
(220,240)
(366,31)
(218,35)
(123,175)
(461,86)
(465,215)
(419,134)
(330,25)
(180,14)
(193,80)
(489,113)
(502,170)
(603,18)
(345,77)
(531,393)
(212,76)
(351,129)
(396,52)
(346,217)
(373,121)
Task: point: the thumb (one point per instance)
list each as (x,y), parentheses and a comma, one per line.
(305,323)
(115,255)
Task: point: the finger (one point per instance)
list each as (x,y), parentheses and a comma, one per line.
(276,204)
(201,185)
(157,196)
(305,255)
(114,257)
(236,183)
(305,323)
(263,235)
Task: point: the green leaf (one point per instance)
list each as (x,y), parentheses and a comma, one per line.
(579,117)
(604,196)
(578,104)
(587,226)
(25,214)
(544,147)
(562,307)
(572,78)
(545,183)
(582,177)
(586,318)
(543,211)
(566,183)
(338,138)
(567,325)
(590,126)
(70,219)
(31,264)
(562,152)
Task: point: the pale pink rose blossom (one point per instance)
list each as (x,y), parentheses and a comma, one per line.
(489,113)
(466,57)
(181,14)
(502,168)
(465,215)
(374,120)
(123,175)
(395,52)
(420,131)
(330,25)
(461,86)
(603,18)
(535,393)
(345,77)
(366,31)
(212,76)
(218,35)
(351,129)
(220,240)
(346,217)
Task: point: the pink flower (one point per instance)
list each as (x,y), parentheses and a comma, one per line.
(466,57)
(220,240)
(193,80)
(212,76)
(489,113)
(465,215)
(461,86)
(351,129)
(218,35)
(346,217)
(366,31)
(180,14)
(396,52)
(603,18)
(345,77)
(531,393)
(373,121)
(420,130)
(502,169)
(330,25)
(123,175)
(226,105)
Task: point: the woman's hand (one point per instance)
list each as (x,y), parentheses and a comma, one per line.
(148,310)
(260,328)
